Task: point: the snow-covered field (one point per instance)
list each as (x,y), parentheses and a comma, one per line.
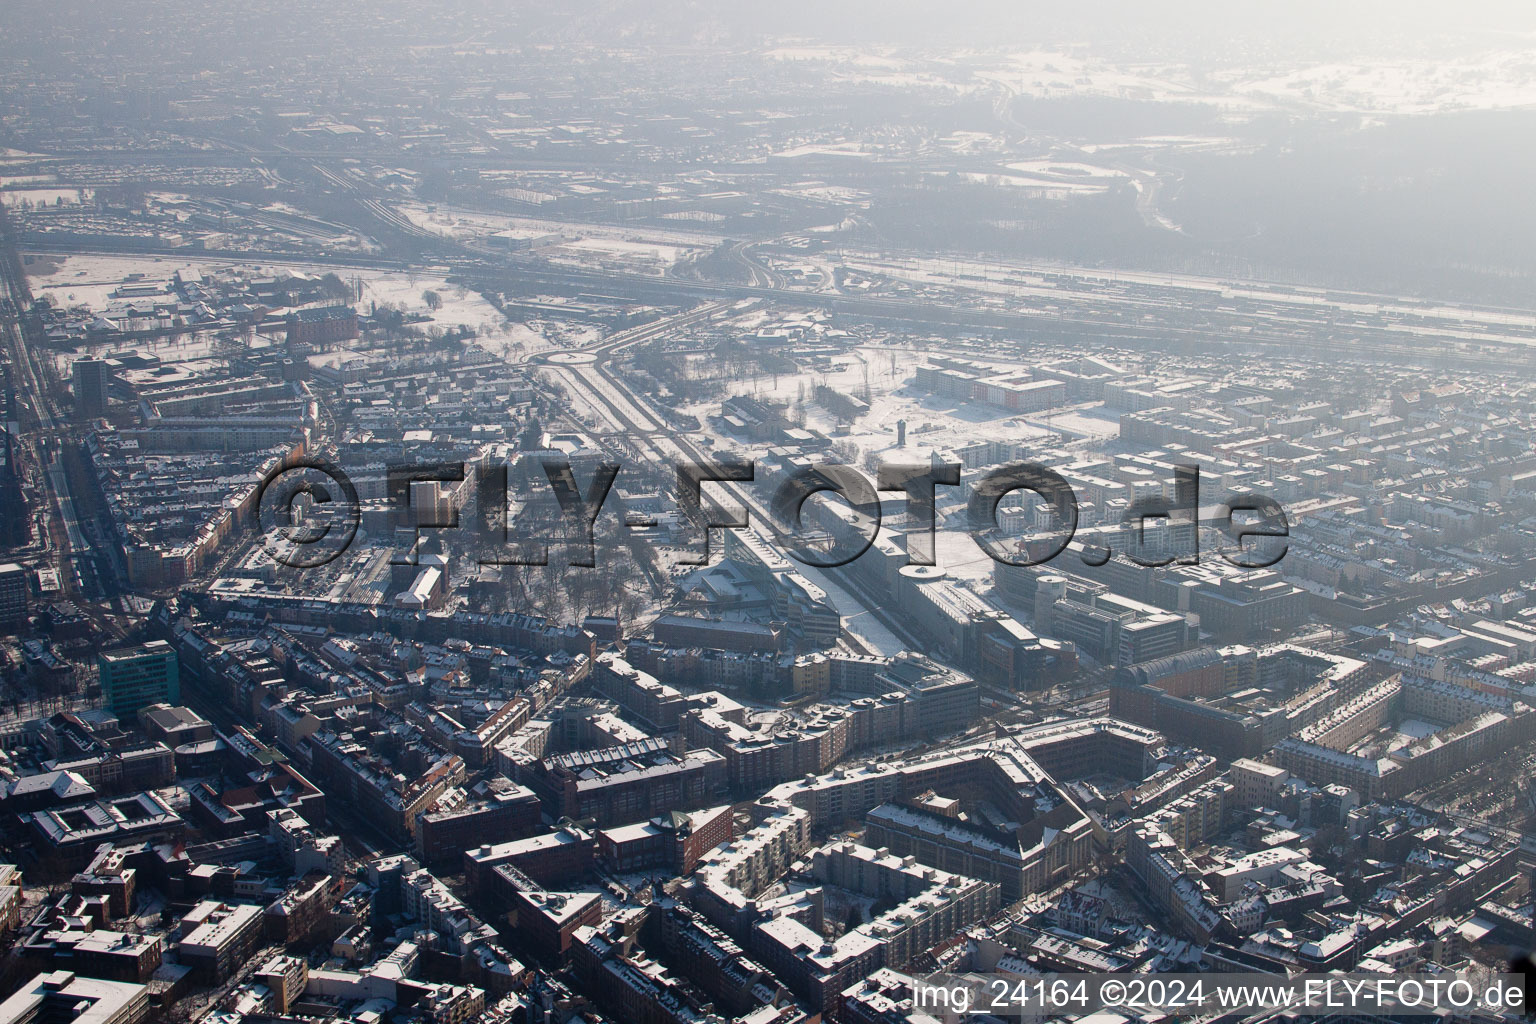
(1498,80)
(44,196)
(664,254)
(406,290)
(1087,185)
(90,280)
(1489,77)
(462,223)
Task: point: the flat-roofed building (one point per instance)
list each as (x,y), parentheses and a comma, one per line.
(545,921)
(676,841)
(60,997)
(553,858)
(69,835)
(218,937)
(174,725)
(443,836)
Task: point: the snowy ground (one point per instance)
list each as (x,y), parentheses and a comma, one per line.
(1410,731)
(43,196)
(1083,186)
(181,348)
(633,248)
(459,222)
(90,280)
(1091,423)
(406,290)
(462,224)
(931,423)
(886,367)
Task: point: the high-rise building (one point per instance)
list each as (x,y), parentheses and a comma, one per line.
(90,388)
(13,594)
(139,676)
(15,520)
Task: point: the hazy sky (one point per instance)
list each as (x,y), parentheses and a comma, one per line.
(1219,31)
(1194,25)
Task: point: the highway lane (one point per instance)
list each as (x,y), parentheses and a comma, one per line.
(585,366)
(762,275)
